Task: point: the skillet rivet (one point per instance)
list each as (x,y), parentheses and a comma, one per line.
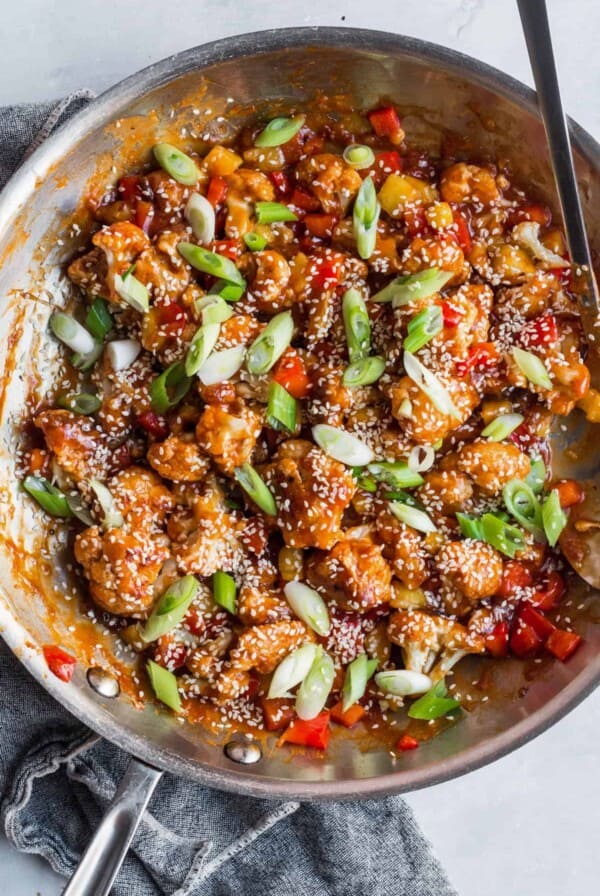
(245,751)
(103,682)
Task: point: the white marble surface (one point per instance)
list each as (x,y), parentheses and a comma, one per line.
(527,825)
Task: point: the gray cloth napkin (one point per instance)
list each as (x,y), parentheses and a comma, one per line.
(57,777)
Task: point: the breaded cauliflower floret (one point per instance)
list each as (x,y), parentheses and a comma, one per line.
(228,436)
(312,491)
(334,183)
(489,464)
(179,458)
(353,573)
(431,644)
(469,571)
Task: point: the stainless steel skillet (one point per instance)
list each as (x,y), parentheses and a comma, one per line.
(440,91)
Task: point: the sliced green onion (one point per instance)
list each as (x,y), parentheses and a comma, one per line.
(280,131)
(342,446)
(365,217)
(501,535)
(121,353)
(430,385)
(315,689)
(113,518)
(98,320)
(554,519)
(213,309)
(423,327)
(175,162)
(72,333)
(171,608)
(200,214)
(282,408)
(536,477)
(404,290)
(403,682)
(211,263)
(256,489)
(421,458)
(50,498)
(269,345)
(292,670)
(86,362)
(221,366)
(200,347)
(356,325)
(164,685)
(470,526)
(79,403)
(358,156)
(272,212)
(79,509)
(230,292)
(255,242)
(168,389)
(224,591)
(434,704)
(523,505)
(132,291)
(397,474)
(532,367)
(367,483)
(501,427)
(309,606)
(357,676)
(413,517)
(363,372)
(404,498)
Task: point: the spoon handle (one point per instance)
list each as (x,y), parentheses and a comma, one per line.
(534,19)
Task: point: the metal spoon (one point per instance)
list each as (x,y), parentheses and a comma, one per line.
(575,442)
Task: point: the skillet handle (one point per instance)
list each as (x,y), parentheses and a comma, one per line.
(105,853)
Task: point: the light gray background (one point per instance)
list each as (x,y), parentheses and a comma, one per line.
(527,825)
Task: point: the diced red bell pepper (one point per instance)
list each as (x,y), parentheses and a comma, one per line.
(496,641)
(407,742)
(325,274)
(217,190)
(281,182)
(540,331)
(564,275)
(538,622)
(229,248)
(129,188)
(451,314)
(255,536)
(60,663)
(277,712)
(349,717)
(308,733)
(416,222)
(144,213)
(524,640)
(304,201)
(530,211)
(320,225)
(386,123)
(460,230)
(563,644)
(569,492)
(387,162)
(172,318)
(514,576)
(251,692)
(290,373)
(548,597)
(153,424)
(484,355)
